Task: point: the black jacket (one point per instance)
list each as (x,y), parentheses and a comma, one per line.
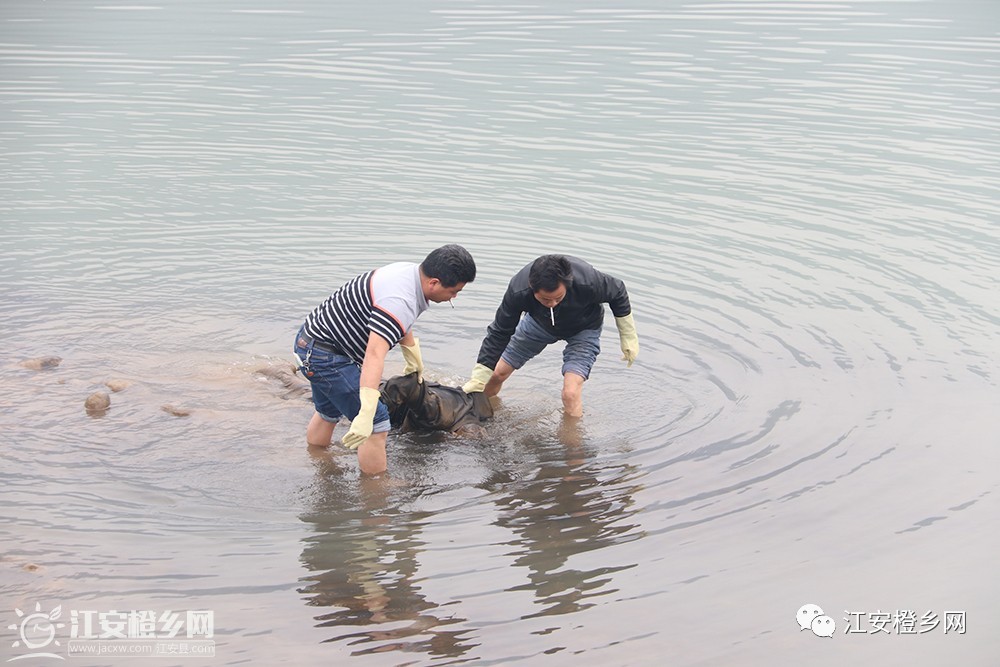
(582,308)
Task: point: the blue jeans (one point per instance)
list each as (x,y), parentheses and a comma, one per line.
(530,338)
(336,383)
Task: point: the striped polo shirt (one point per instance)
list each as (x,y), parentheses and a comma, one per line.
(386,301)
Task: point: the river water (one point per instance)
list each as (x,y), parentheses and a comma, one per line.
(800,196)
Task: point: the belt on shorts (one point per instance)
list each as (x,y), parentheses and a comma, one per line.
(322,345)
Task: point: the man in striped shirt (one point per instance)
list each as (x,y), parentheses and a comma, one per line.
(343,343)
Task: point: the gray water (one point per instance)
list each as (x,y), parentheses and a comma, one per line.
(800,196)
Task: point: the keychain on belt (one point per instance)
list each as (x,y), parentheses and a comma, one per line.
(303,365)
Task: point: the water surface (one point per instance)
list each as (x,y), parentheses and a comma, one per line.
(801,198)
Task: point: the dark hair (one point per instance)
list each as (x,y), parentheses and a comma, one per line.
(451,264)
(548,272)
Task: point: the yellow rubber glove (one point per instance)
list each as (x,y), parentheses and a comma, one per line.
(414,362)
(480,376)
(629,338)
(361,427)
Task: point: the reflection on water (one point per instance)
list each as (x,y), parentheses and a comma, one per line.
(802,198)
(362,554)
(567,508)
(363,551)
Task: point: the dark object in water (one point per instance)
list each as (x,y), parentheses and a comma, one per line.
(431,406)
(41,363)
(117,385)
(97,404)
(175,411)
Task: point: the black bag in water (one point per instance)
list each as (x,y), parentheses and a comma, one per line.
(431,406)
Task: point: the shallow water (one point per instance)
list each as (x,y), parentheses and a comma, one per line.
(801,198)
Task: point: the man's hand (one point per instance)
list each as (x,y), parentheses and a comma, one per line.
(629,338)
(362,425)
(480,376)
(414,362)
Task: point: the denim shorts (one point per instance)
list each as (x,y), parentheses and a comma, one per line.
(530,338)
(336,383)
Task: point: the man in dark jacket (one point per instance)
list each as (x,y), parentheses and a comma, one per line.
(564,299)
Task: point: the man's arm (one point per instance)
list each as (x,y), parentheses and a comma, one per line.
(499,332)
(410,347)
(612,291)
(371,374)
(374,362)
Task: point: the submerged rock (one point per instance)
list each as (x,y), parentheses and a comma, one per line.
(175,411)
(97,404)
(41,363)
(117,385)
